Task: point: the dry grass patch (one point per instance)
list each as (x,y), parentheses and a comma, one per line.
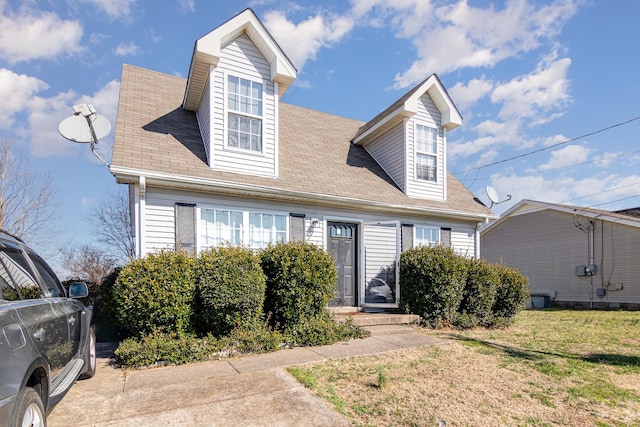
(570,368)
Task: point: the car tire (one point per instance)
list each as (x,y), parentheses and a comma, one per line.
(30,410)
(90,357)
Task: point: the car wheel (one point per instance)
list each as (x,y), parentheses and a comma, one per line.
(30,410)
(90,358)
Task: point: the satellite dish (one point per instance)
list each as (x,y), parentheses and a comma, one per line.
(492,194)
(76,128)
(85,126)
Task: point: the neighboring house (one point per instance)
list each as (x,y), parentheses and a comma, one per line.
(219,159)
(572,256)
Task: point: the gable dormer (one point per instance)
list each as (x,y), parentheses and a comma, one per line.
(237,75)
(408,139)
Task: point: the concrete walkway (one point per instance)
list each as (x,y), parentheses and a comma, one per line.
(245,391)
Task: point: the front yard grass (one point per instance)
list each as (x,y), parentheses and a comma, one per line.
(550,368)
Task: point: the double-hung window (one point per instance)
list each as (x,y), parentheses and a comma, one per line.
(265,229)
(426,153)
(219,226)
(427,236)
(244,114)
(255,230)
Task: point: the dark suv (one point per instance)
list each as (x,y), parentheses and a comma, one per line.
(46,338)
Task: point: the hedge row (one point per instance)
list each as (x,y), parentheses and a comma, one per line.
(445,288)
(287,285)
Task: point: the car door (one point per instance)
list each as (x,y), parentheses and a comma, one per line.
(46,327)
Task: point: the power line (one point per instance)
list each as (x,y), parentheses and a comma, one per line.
(602,192)
(551,146)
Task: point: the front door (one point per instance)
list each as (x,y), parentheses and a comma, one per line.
(342,244)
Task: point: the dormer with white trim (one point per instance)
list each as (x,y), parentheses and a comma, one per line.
(408,139)
(237,75)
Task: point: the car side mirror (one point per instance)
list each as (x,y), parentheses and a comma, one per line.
(78,290)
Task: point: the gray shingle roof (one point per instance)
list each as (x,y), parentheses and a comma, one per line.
(154,134)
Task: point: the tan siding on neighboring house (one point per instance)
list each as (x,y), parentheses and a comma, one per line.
(546,247)
(427,115)
(389,152)
(242,58)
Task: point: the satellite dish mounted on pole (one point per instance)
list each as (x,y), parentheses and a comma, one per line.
(492,194)
(85,126)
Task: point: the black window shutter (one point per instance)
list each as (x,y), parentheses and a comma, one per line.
(186,226)
(406,233)
(445,237)
(296,227)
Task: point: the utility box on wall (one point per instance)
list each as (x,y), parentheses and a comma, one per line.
(585,270)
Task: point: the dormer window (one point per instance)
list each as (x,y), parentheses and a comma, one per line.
(244,112)
(426,153)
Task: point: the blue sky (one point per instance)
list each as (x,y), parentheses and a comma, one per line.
(527,76)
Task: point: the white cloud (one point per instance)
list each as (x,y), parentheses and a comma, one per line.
(127,49)
(534,95)
(302,41)
(466,95)
(567,156)
(187,6)
(32,35)
(16,91)
(455,36)
(115,9)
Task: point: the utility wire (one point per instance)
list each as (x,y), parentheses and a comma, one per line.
(551,146)
(602,192)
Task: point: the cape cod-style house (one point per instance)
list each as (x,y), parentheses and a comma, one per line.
(219,159)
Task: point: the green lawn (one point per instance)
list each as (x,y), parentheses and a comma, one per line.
(555,367)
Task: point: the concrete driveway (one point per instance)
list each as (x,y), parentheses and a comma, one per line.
(247,391)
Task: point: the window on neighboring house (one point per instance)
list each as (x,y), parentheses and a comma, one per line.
(426,236)
(218,226)
(244,104)
(426,153)
(265,229)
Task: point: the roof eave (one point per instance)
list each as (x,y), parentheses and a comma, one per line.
(206,54)
(132,176)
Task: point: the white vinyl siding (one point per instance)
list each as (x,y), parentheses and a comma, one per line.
(241,58)
(389,152)
(203,116)
(429,116)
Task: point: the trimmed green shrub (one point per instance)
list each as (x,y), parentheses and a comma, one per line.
(253,337)
(433,279)
(155,292)
(301,280)
(323,329)
(479,293)
(230,289)
(161,347)
(511,295)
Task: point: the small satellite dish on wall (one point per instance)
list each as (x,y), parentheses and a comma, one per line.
(492,194)
(86,127)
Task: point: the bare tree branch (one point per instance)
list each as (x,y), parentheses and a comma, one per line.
(113,224)
(88,263)
(27,204)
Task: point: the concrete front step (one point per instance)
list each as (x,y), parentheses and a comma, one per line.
(361,318)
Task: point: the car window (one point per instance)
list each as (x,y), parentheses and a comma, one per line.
(49,278)
(7,291)
(15,274)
